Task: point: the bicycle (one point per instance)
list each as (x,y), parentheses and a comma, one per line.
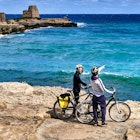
(118,111)
(68,111)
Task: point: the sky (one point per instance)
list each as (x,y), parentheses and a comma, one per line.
(72,6)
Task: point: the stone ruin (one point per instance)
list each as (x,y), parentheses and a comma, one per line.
(32,12)
(2,17)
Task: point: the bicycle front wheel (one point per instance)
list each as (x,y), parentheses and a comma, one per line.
(63,113)
(119,112)
(84,113)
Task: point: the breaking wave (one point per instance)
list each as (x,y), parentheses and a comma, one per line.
(81,24)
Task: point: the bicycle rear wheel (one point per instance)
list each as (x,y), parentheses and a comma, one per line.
(84,113)
(63,113)
(119,112)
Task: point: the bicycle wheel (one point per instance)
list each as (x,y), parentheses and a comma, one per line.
(84,113)
(63,113)
(119,112)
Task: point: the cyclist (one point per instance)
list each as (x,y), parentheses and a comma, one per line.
(77,82)
(98,91)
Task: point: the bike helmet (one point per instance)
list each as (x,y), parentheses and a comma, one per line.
(94,71)
(79,66)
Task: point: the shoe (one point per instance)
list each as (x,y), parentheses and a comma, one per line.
(104,123)
(95,123)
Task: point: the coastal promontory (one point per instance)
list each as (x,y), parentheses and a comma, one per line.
(31,19)
(26,113)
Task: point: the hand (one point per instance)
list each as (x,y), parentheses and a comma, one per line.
(113,92)
(88,85)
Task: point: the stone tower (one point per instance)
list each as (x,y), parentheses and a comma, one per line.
(2,17)
(32,12)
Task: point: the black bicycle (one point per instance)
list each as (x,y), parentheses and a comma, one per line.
(118,111)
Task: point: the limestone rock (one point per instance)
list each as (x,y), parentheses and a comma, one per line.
(11,28)
(25,114)
(11,21)
(16,87)
(133,134)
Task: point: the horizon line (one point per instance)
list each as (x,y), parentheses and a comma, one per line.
(80,14)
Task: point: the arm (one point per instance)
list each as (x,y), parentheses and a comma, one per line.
(101,68)
(83,83)
(102,87)
(80,81)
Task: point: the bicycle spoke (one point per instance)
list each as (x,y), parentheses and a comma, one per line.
(83,113)
(119,112)
(63,113)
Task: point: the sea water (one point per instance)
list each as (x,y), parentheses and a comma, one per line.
(47,56)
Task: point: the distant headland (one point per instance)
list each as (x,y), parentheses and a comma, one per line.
(30,20)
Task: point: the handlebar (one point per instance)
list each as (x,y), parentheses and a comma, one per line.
(114,90)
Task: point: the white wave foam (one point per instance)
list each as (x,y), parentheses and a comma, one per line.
(50,27)
(111,73)
(86,73)
(28,30)
(1,36)
(81,24)
(73,71)
(14,35)
(67,71)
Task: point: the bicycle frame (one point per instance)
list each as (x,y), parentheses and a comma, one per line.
(73,98)
(113,99)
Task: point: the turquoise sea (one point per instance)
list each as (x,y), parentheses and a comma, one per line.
(47,56)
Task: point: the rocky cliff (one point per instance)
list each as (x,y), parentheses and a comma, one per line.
(30,20)
(26,114)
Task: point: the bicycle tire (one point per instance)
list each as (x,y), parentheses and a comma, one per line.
(63,113)
(119,112)
(83,113)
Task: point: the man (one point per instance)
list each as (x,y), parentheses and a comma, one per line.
(98,91)
(77,82)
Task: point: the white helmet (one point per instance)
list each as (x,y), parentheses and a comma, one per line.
(94,70)
(79,66)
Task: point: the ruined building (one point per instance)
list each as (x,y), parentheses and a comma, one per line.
(32,12)
(2,17)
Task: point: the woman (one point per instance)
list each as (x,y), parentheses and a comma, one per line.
(98,91)
(77,82)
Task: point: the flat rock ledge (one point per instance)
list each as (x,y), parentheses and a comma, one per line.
(22,24)
(26,113)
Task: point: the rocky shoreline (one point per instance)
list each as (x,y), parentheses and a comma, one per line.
(26,113)
(20,25)
(30,20)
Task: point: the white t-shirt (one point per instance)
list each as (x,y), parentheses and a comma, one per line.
(99,88)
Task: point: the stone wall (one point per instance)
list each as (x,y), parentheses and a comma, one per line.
(2,17)
(32,12)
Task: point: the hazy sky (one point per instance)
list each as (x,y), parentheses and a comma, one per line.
(72,6)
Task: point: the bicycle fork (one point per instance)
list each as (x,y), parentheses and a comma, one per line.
(119,111)
(116,102)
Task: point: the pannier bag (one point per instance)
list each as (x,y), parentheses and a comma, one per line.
(63,100)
